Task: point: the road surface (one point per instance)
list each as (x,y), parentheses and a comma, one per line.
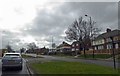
(98,62)
(14,72)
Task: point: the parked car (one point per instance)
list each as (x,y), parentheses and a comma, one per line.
(11,60)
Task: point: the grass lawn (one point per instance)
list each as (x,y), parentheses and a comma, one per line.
(60,67)
(26,56)
(101,56)
(88,56)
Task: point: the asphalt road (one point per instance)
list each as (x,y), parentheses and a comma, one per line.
(14,72)
(98,62)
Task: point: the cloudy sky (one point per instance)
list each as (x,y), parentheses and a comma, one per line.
(25,21)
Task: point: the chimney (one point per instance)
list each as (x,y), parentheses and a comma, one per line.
(108,30)
(63,42)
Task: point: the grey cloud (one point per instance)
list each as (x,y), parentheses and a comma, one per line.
(53,23)
(101,12)
(49,23)
(10,38)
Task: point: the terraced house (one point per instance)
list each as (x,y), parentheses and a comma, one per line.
(104,42)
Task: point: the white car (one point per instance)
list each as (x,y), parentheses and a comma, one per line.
(11,60)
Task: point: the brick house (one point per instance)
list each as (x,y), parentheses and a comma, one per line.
(103,43)
(64,48)
(75,46)
(42,50)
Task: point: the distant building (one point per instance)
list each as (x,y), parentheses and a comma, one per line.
(29,51)
(76,46)
(2,51)
(43,50)
(64,47)
(103,43)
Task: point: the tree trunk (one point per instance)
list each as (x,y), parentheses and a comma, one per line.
(84,50)
(76,52)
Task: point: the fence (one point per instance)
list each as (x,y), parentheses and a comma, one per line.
(0,53)
(105,51)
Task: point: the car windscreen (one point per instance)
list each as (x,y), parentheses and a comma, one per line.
(11,55)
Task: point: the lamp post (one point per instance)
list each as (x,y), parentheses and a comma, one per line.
(91,30)
(113,52)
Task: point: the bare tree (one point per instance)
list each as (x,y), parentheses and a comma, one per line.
(9,48)
(22,50)
(82,31)
(32,46)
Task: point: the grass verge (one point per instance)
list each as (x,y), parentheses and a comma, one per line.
(28,56)
(88,56)
(60,67)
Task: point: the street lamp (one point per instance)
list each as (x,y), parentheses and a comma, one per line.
(113,52)
(91,30)
(89,17)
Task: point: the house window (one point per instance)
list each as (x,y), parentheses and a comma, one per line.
(73,49)
(100,47)
(93,43)
(95,48)
(77,44)
(109,46)
(115,38)
(73,45)
(61,50)
(116,46)
(102,41)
